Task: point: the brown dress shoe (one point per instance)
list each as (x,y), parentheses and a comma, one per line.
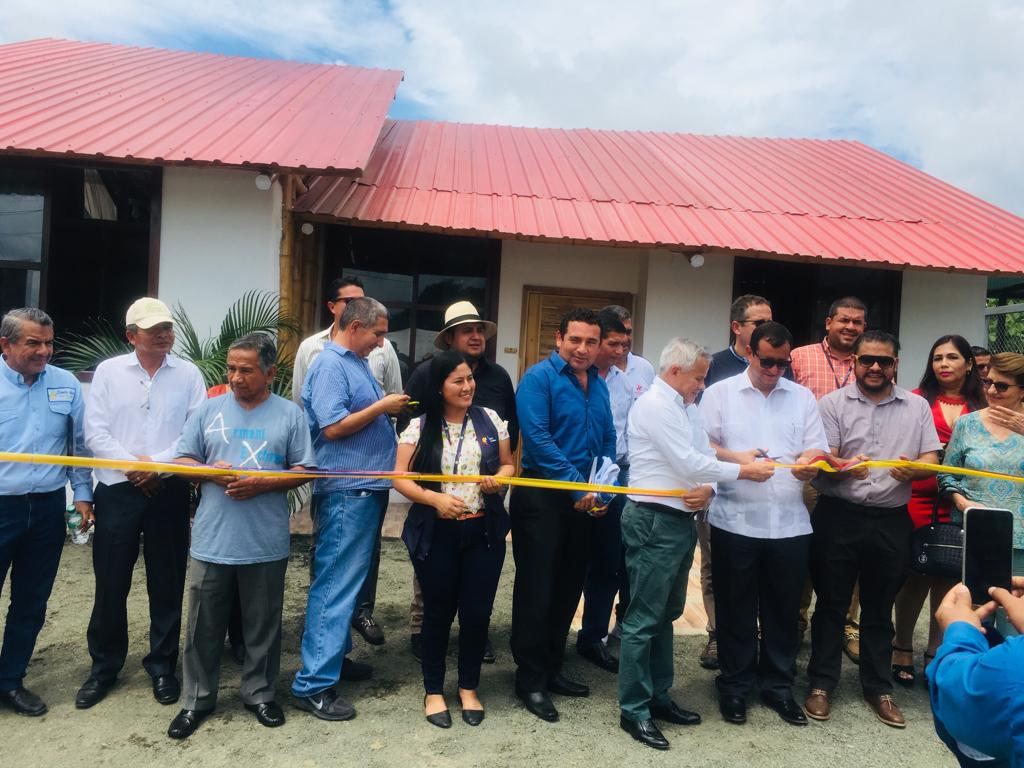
(818,705)
(885,709)
(851,642)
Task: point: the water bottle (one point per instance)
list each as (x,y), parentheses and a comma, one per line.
(74,519)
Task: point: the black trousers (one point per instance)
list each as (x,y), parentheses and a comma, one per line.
(123,512)
(851,543)
(459,575)
(757,578)
(550,544)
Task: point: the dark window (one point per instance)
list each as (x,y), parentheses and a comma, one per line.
(801,293)
(22,217)
(416,276)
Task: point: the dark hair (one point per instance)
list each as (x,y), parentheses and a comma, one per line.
(971,389)
(878,337)
(980,351)
(260,343)
(847,302)
(776,334)
(331,294)
(610,322)
(621,313)
(578,315)
(738,310)
(427,459)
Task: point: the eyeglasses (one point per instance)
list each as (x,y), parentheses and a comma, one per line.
(1000,386)
(341,299)
(771,362)
(869,361)
(755,323)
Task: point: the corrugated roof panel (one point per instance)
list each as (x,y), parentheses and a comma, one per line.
(113,101)
(807,197)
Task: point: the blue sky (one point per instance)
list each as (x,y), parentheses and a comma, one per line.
(936,84)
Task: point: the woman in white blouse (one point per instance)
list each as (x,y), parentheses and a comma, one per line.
(455,532)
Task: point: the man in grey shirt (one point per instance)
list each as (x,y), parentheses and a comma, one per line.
(240,537)
(861,526)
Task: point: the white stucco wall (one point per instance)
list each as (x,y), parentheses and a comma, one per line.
(219,237)
(683,301)
(556,266)
(934,304)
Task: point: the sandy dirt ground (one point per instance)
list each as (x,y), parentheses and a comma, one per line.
(129,727)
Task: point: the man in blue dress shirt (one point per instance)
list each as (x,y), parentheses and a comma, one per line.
(348,416)
(565,421)
(41,411)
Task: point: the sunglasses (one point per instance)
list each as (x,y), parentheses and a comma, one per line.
(883,361)
(1000,386)
(771,362)
(755,323)
(339,299)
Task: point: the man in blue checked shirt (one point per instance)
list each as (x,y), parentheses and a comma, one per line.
(41,410)
(565,422)
(348,415)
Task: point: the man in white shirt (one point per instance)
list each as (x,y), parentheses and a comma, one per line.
(761,535)
(639,372)
(668,451)
(136,408)
(383,362)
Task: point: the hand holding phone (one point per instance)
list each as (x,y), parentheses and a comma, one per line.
(988,551)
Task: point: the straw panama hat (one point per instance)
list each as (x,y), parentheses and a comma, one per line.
(460,313)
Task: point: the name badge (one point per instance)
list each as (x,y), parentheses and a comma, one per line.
(60,394)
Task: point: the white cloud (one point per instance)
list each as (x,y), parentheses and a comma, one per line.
(937,82)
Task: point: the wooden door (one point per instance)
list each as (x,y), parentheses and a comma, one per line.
(543,309)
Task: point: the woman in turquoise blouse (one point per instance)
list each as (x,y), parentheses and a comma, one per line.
(992,439)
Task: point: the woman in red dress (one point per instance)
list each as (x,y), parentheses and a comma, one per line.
(952,387)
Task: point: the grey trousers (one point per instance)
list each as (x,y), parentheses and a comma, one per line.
(211,591)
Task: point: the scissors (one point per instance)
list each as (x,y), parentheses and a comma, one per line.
(763,454)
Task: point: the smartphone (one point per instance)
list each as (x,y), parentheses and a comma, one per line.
(988,551)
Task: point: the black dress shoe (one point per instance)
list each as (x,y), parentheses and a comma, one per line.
(599,655)
(24,702)
(185,722)
(268,713)
(489,657)
(166,689)
(539,703)
(644,731)
(441,719)
(91,693)
(733,709)
(355,671)
(369,629)
(563,686)
(472,716)
(786,708)
(415,646)
(671,712)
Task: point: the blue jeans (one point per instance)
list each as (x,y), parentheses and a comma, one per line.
(603,571)
(32,535)
(345,528)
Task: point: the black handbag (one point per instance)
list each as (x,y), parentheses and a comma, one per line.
(937,549)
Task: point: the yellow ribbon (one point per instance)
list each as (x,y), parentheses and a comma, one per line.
(201,471)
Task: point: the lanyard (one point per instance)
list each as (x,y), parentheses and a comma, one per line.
(462,436)
(828,359)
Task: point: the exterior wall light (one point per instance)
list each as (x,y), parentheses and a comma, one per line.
(263,182)
(696,260)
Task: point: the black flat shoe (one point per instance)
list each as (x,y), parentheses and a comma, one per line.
(268,713)
(733,709)
(440,719)
(489,657)
(24,702)
(166,689)
(91,693)
(599,656)
(563,686)
(186,722)
(472,716)
(539,704)
(786,708)
(644,731)
(671,712)
(355,671)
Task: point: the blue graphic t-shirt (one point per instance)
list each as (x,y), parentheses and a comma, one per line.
(273,435)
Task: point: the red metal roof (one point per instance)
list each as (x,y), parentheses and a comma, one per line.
(813,198)
(113,101)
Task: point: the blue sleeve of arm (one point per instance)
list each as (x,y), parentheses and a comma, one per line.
(80,477)
(190,444)
(533,407)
